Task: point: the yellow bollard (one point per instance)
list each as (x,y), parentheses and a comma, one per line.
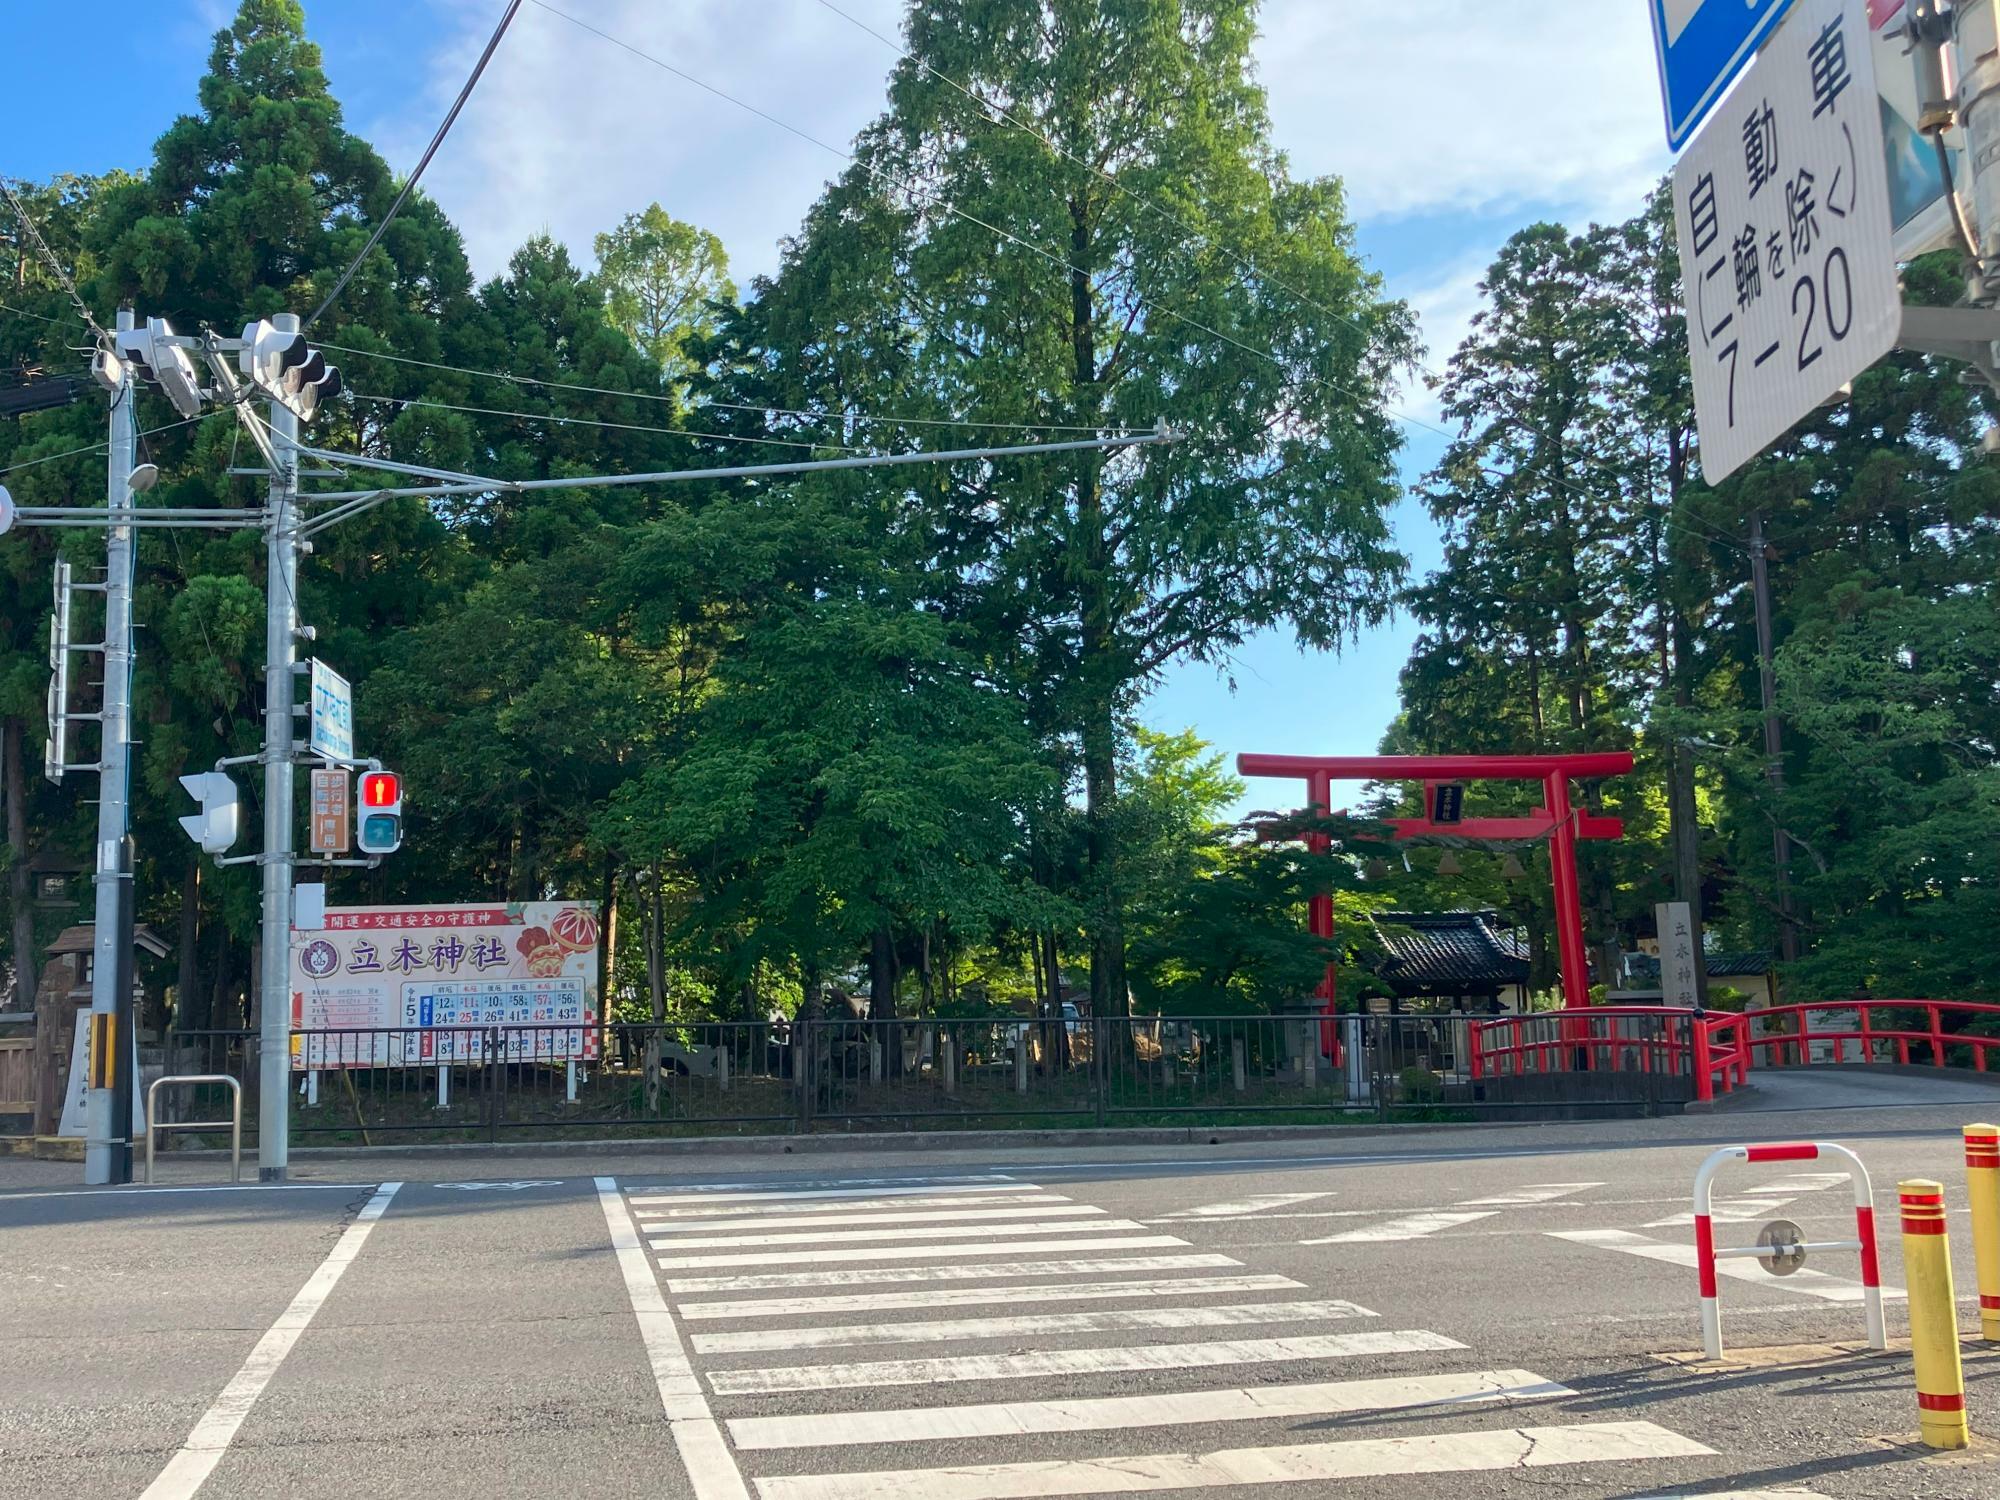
(1982,1176)
(1933,1315)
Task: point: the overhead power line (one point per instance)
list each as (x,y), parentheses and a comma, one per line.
(49,458)
(562,421)
(410,183)
(750,406)
(48,258)
(936,200)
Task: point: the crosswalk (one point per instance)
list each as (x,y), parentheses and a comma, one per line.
(993,1339)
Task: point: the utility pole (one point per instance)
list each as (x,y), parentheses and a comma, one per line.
(281,617)
(107,1156)
(1774,739)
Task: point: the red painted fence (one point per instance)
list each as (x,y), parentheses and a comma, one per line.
(1717,1050)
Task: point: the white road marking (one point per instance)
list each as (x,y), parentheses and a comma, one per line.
(746,1192)
(1538,1192)
(997,1270)
(952,1330)
(926,1216)
(711,1471)
(189,1469)
(1242,1207)
(688,1239)
(501,1187)
(1725,1211)
(1073,1362)
(1798,1182)
(924,1424)
(917,1252)
(1412,1227)
(1807,1283)
(973,1296)
(712,1210)
(1362,1458)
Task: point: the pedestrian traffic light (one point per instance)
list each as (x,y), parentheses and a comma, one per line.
(287,368)
(379,815)
(214,827)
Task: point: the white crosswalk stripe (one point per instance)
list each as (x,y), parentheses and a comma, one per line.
(1224,1363)
(959,1231)
(948,1330)
(973,1296)
(692,1286)
(783,1212)
(1362,1458)
(922,1252)
(925,1424)
(959,1368)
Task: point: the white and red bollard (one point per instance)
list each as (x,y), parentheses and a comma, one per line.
(1707,1254)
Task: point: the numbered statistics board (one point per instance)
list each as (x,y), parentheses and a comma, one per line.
(380,986)
(1788,257)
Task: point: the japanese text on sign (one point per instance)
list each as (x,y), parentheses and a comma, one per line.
(417,984)
(1787,250)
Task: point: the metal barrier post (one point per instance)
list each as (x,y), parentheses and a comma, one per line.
(1236,1064)
(1706,1253)
(1982,1176)
(154,1125)
(1933,1316)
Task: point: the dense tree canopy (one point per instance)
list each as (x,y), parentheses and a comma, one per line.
(795,730)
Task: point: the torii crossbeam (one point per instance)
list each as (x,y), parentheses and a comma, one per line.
(1556,820)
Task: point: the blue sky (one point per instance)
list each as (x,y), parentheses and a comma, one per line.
(1449,136)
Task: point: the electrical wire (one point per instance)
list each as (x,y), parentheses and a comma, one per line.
(410,182)
(905,184)
(28,227)
(991,110)
(938,201)
(23,312)
(750,406)
(535,416)
(49,458)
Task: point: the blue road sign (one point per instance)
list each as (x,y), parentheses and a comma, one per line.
(1703,45)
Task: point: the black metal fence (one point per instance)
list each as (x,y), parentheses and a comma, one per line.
(490,1083)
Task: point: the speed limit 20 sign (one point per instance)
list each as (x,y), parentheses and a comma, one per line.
(1787,249)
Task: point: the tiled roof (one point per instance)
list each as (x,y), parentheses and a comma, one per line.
(1444,952)
(1755,964)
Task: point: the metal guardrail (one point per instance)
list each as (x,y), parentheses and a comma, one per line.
(154,1124)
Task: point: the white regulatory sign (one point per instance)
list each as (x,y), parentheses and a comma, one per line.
(332,713)
(1787,249)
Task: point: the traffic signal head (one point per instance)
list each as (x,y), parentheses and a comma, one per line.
(153,355)
(379,814)
(214,827)
(288,369)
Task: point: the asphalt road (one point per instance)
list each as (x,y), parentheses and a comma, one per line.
(1459,1313)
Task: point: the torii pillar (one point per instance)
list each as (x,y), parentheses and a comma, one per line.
(1556,820)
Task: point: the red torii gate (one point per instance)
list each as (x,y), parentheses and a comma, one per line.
(1556,820)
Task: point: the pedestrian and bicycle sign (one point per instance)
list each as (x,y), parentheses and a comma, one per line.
(1787,247)
(1703,45)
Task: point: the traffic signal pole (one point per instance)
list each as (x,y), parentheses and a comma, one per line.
(107,1151)
(281,620)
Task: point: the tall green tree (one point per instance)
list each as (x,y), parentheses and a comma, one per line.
(1124,246)
(664,282)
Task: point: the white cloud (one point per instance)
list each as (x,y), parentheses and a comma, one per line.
(1445,298)
(1467,105)
(568,133)
(1475,106)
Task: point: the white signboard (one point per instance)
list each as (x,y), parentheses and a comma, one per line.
(1679,984)
(332,713)
(379,985)
(1787,250)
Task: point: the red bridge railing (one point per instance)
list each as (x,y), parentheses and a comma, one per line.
(1905,1032)
(1717,1049)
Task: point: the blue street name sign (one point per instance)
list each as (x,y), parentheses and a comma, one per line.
(1703,45)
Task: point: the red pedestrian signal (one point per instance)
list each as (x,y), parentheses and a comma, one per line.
(379,815)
